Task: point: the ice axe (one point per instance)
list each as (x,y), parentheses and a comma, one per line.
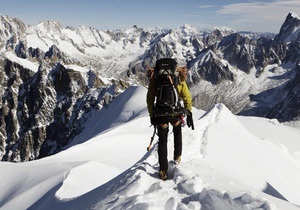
(152,138)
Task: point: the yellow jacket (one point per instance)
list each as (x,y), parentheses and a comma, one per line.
(183,92)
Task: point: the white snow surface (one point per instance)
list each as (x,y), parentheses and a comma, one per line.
(229,162)
(23,62)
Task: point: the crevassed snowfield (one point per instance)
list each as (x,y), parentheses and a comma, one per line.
(229,162)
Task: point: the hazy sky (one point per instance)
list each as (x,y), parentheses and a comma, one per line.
(256,15)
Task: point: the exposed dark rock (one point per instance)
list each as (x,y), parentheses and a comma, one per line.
(42,111)
(288,30)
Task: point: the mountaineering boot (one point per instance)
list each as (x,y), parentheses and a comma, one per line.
(177,160)
(163,175)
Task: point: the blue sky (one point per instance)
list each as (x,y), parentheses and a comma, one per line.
(249,15)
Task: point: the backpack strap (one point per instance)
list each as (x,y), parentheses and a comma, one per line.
(182,72)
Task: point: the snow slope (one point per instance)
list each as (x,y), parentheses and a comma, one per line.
(229,162)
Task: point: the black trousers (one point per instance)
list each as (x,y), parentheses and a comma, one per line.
(163,130)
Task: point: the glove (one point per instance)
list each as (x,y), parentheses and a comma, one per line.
(189,120)
(153,121)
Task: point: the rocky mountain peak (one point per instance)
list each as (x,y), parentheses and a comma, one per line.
(187,29)
(11,29)
(289,30)
(50,26)
(294,15)
(11,24)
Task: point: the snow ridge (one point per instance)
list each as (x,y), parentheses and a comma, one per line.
(224,166)
(188,189)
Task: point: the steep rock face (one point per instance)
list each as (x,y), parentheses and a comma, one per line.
(268,53)
(10,31)
(42,111)
(11,79)
(237,51)
(208,66)
(214,37)
(289,30)
(286,110)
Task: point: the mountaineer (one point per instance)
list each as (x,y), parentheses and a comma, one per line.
(168,101)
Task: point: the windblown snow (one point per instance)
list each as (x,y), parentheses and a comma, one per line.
(229,162)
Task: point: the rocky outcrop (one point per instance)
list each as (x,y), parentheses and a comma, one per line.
(41,112)
(209,67)
(287,109)
(238,51)
(289,30)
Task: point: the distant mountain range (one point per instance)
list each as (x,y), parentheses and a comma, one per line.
(53,79)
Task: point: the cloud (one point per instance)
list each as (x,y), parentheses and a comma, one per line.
(265,16)
(205,6)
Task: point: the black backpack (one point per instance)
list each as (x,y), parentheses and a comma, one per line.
(167,79)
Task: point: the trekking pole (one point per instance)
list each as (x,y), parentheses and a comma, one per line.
(150,145)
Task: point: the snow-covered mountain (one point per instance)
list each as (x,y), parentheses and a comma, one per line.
(229,163)
(53,78)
